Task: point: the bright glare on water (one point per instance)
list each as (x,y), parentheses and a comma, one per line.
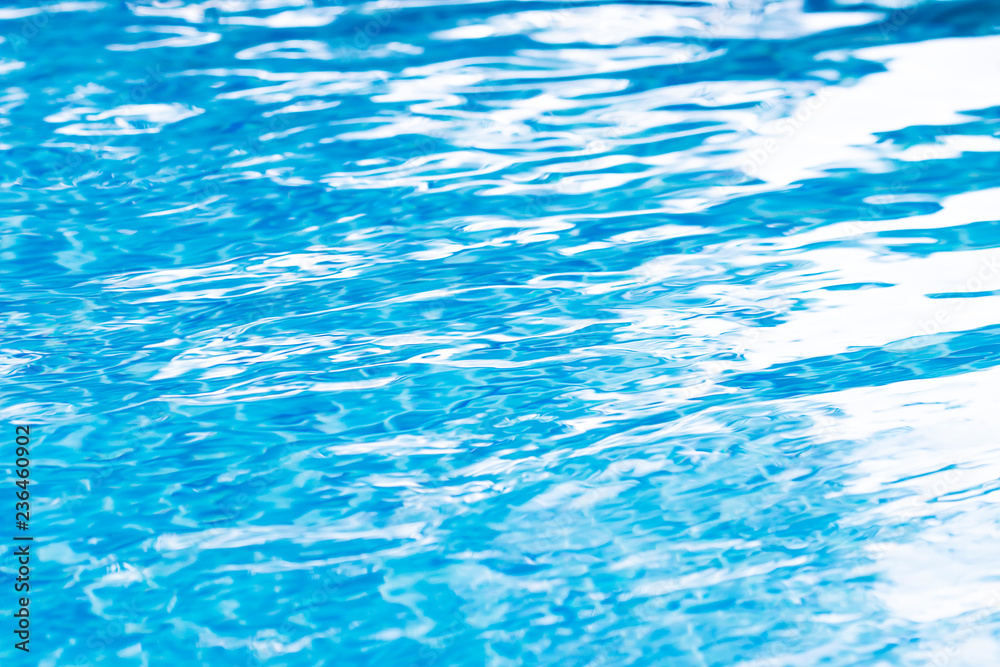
(441,333)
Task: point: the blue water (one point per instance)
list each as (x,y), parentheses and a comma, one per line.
(437,333)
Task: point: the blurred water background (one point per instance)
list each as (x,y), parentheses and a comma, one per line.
(506,333)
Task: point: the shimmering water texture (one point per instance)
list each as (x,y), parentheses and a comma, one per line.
(453,334)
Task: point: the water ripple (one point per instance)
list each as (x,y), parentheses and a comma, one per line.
(421,332)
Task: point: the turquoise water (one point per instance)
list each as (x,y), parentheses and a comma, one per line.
(428,333)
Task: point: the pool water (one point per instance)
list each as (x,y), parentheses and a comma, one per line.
(418,333)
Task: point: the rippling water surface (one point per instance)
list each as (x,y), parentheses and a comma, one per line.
(433,333)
